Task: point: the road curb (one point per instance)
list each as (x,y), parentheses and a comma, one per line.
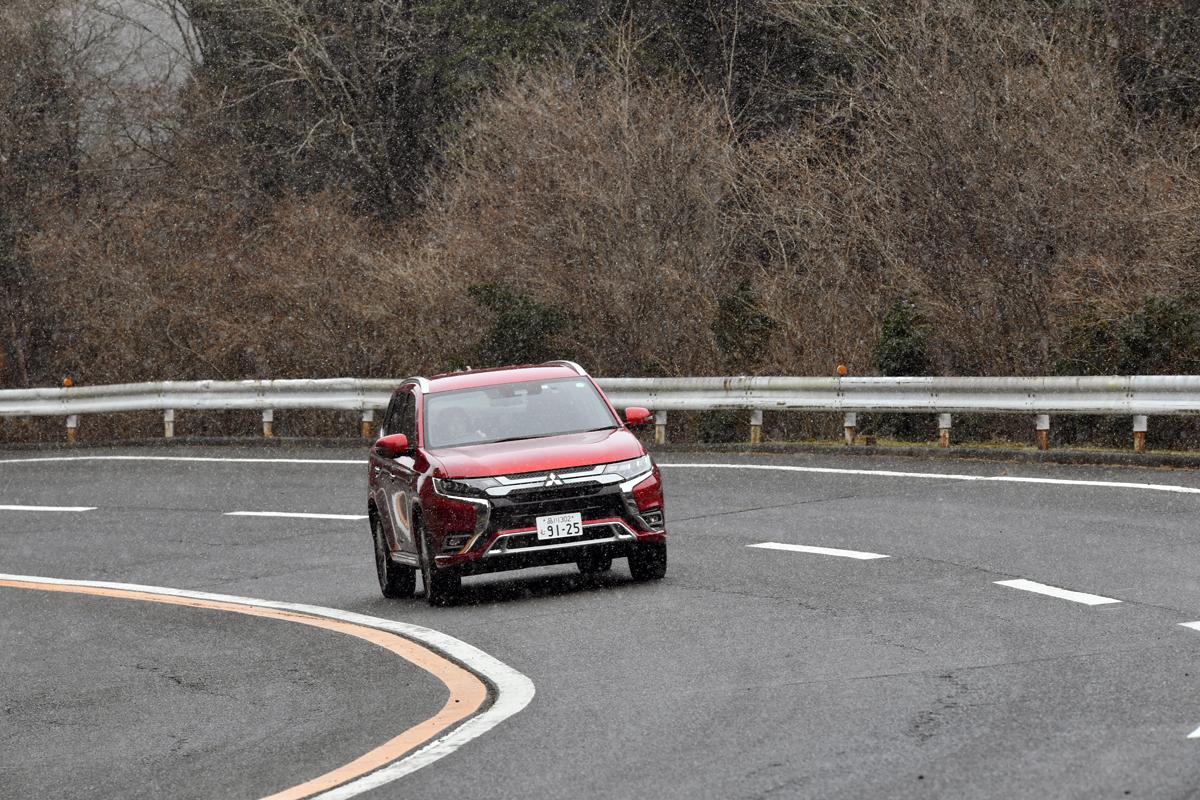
(502,691)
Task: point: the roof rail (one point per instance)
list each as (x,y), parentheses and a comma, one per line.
(569,364)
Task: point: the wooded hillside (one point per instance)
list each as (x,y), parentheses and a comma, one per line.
(380,188)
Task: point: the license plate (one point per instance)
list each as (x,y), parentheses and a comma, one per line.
(559,526)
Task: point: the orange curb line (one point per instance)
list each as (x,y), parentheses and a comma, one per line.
(467,692)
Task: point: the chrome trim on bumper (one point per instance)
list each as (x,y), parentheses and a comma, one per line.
(482,516)
(500,548)
(596,475)
(569,477)
(628,485)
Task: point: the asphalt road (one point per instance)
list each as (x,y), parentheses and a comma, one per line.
(746,673)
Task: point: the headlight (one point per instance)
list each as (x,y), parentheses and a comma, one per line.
(463,487)
(629,469)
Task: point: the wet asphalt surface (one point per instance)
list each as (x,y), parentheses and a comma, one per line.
(745,673)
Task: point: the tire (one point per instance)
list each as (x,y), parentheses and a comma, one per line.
(648,562)
(395,580)
(440,586)
(594,563)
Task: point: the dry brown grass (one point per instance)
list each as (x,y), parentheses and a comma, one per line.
(177,291)
(603,196)
(985,164)
(982,162)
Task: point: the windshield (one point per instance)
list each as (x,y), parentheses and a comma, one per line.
(509,411)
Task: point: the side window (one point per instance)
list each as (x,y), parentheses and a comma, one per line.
(389,418)
(407,422)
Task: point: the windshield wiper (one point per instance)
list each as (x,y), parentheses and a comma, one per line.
(547,435)
(514,438)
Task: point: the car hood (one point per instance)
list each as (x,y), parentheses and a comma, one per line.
(538,455)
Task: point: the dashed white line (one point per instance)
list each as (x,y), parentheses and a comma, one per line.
(47,508)
(1054,591)
(297,514)
(824,551)
(1194,734)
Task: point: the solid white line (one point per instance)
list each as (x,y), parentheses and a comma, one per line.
(1194,734)
(292,514)
(881,473)
(824,551)
(513,690)
(47,508)
(1054,591)
(1193,625)
(358,462)
(947,476)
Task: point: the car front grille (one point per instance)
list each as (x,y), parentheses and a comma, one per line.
(521,509)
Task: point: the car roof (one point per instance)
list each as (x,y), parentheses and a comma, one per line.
(476,378)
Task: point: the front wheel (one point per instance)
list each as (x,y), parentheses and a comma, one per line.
(440,586)
(648,562)
(395,580)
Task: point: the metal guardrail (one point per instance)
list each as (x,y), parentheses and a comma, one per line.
(1139,396)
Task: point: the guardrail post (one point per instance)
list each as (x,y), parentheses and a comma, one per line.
(660,427)
(1139,433)
(368,416)
(1043,431)
(168,423)
(756,426)
(943,430)
(268,422)
(850,424)
(72,426)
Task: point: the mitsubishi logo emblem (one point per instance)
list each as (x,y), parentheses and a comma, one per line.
(553,480)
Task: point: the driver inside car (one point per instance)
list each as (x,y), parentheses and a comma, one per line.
(456,426)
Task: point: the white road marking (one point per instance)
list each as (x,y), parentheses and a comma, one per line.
(947,476)
(47,508)
(882,473)
(1193,625)
(1196,627)
(824,551)
(512,690)
(1054,591)
(299,514)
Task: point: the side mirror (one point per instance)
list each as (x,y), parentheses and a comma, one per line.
(636,416)
(392,446)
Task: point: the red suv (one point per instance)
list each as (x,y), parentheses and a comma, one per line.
(501,469)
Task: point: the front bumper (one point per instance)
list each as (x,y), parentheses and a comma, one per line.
(613,524)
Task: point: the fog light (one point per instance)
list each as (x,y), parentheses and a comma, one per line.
(653,518)
(455,542)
